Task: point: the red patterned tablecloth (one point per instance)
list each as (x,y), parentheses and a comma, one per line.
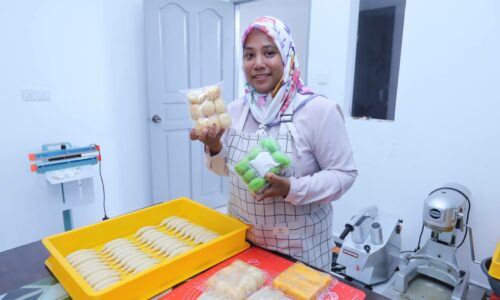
(264,260)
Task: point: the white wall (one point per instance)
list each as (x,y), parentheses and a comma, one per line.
(90,55)
(446,126)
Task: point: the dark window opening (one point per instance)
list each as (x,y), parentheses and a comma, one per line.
(377,59)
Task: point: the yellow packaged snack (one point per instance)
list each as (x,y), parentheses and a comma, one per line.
(313,276)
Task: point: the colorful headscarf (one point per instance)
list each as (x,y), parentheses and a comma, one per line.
(292,91)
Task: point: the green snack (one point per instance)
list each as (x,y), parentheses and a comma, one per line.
(242,166)
(281,158)
(249,175)
(257,184)
(274,170)
(269,144)
(255,151)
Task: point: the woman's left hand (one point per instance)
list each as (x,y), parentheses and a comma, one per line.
(279,186)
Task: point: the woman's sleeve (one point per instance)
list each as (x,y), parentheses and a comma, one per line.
(332,151)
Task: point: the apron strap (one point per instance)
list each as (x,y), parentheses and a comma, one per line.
(286,121)
(286,125)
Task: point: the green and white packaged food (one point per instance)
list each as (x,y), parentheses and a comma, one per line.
(264,158)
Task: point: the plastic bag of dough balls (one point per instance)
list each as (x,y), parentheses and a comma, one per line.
(264,158)
(236,281)
(207,108)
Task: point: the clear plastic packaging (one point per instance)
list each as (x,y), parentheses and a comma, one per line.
(303,283)
(207,108)
(236,281)
(264,158)
(268,293)
(210,296)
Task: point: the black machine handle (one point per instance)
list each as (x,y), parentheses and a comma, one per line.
(348,228)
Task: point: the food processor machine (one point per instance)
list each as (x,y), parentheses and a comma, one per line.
(445,211)
(370,253)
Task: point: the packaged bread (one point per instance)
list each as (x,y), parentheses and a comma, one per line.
(264,158)
(236,281)
(207,108)
(302,282)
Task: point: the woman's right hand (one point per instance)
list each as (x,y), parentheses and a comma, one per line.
(211,137)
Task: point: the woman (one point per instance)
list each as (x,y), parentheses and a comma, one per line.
(293,215)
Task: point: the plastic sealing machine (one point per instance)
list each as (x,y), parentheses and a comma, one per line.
(63,156)
(70,167)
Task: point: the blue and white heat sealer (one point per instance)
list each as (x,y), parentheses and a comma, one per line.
(71,168)
(63,156)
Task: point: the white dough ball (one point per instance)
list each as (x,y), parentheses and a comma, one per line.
(201,124)
(204,96)
(213,92)
(207,107)
(195,111)
(237,294)
(249,284)
(258,275)
(193,97)
(224,287)
(220,107)
(225,120)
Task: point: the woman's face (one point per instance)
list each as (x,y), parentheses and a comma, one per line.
(261,62)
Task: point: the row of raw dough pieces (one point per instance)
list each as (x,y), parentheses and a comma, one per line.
(125,255)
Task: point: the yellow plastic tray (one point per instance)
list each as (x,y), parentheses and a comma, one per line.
(162,276)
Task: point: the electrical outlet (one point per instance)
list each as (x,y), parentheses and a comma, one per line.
(38,94)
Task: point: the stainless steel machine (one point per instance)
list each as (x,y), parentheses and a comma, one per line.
(444,213)
(370,254)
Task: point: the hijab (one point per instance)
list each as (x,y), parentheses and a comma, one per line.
(267,109)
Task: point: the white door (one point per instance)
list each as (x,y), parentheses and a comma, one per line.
(189,44)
